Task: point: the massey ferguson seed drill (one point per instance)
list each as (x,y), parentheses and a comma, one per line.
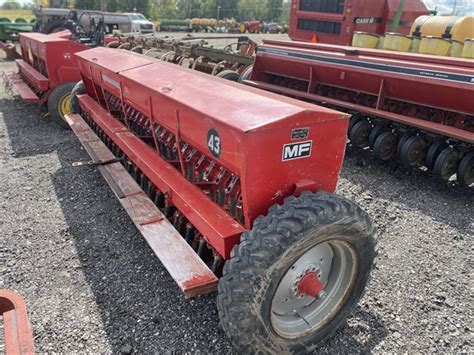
(224,180)
(417,108)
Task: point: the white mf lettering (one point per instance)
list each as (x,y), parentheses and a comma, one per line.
(297,150)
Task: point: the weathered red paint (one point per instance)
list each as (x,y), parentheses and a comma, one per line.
(18,336)
(253,126)
(439,90)
(373,16)
(310,285)
(47,61)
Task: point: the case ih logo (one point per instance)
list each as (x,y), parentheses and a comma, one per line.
(297,150)
(367,20)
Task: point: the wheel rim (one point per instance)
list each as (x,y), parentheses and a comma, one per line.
(64,106)
(412,151)
(385,147)
(359,134)
(295,314)
(447,165)
(466,170)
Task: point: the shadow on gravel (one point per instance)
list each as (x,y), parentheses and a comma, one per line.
(28,131)
(413,189)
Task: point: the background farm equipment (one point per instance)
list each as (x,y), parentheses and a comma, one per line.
(175,25)
(272,27)
(194,52)
(50,20)
(413,107)
(250,27)
(335,21)
(197,188)
(48,70)
(9,32)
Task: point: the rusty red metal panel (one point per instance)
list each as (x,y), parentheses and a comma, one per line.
(253,132)
(190,273)
(22,88)
(34,77)
(18,336)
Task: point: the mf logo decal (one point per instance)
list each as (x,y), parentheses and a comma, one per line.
(297,150)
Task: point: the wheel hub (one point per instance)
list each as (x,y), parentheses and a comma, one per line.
(312,289)
(308,284)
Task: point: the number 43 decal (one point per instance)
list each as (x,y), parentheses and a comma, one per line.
(214,142)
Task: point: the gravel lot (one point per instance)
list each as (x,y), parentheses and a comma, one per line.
(92,284)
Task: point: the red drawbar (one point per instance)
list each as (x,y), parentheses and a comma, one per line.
(18,337)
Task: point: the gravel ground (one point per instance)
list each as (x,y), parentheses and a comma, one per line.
(92,284)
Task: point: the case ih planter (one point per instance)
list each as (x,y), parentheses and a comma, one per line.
(417,108)
(232,188)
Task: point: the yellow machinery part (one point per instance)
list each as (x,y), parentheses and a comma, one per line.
(458,27)
(434,45)
(365,40)
(397,42)
(468,50)
(456,49)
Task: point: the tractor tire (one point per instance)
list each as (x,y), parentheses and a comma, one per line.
(59,103)
(318,233)
(246,74)
(53,26)
(229,75)
(78,89)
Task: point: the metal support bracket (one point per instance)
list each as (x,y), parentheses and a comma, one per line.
(95,163)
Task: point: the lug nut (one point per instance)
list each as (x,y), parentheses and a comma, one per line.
(322,294)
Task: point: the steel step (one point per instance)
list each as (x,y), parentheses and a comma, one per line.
(22,88)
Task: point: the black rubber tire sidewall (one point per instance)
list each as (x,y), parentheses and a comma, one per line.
(246,74)
(230,75)
(53,26)
(463,166)
(264,338)
(53,102)
(78,89)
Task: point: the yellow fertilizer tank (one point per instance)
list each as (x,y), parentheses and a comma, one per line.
(456,49)
(365,40)
(468,50)
(453,27)
(434,45)
(397,42)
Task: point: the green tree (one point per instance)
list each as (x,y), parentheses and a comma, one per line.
(252,9)
(209,8)
(274,10)
(166,9)
(11,5)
